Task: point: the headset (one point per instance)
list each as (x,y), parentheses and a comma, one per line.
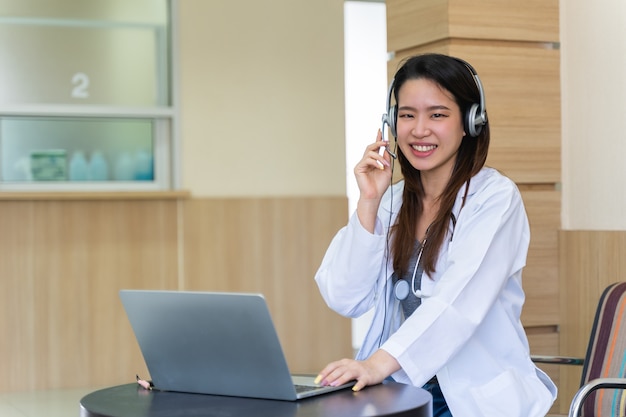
(473,121)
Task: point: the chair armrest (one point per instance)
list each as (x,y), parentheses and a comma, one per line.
(595,384)
(557,360)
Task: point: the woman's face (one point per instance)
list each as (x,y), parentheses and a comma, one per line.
(429,127)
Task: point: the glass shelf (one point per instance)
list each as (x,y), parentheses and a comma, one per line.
(86,102)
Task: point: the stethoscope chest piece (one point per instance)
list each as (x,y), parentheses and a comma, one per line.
(401,289)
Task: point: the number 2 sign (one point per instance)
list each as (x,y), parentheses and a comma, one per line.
(80,81)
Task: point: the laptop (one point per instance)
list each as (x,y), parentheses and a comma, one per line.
(214,343)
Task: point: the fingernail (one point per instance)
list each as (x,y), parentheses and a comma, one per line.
(354,388)
(317,379)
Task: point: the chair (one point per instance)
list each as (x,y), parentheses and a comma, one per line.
(604,367)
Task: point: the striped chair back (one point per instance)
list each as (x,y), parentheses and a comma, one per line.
(606,353)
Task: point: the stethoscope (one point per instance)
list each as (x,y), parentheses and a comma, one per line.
(402,287)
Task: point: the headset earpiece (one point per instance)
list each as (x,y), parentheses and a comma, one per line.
(473,126)
(476,116)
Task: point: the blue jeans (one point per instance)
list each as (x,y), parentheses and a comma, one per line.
(440,408)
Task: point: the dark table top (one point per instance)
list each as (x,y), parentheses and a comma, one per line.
(130,400)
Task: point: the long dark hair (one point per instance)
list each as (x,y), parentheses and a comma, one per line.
(455,76)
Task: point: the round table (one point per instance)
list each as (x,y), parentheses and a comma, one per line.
(131,400)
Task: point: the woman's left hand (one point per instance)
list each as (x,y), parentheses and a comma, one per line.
(371,371)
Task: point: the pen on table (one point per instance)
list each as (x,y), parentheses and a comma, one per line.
(145,384)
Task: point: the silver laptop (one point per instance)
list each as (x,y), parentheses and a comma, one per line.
(213,343)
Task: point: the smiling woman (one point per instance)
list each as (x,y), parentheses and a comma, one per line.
(445,230)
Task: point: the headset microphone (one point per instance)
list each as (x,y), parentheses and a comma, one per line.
(381,151)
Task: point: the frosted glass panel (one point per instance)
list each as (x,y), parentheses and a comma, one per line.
(102,53)
(85,95)
(76,149)
(137,11)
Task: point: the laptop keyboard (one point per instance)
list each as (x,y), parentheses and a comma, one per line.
(304,388)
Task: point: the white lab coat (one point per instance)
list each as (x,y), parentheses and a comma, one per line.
(467,330)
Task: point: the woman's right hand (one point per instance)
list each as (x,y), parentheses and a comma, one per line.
(373,176)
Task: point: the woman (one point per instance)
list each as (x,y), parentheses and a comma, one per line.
(438,256)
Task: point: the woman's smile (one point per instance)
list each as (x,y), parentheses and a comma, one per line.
(423,149)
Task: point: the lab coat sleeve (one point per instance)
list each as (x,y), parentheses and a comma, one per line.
(348,275)
(489,247)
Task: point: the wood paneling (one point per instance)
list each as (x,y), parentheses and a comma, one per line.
(411,23)
(545,341)
(522,89)
(531,20)
(541,314)
(63,263)
(541,275)
(590,261)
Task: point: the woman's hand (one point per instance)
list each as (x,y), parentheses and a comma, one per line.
(373,171)
(371,371)
(373,176)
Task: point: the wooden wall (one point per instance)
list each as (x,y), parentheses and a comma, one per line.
(514,48)
(64,261)
(590,261)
